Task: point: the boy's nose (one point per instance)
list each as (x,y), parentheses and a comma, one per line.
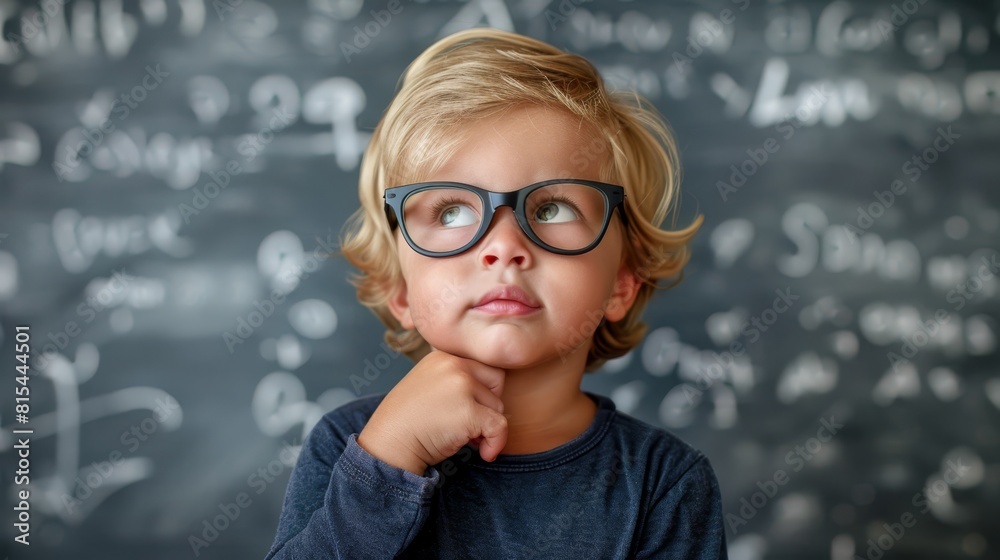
(504,240)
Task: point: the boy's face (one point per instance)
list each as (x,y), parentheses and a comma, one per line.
(524,146)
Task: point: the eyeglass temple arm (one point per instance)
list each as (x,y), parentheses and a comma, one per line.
(390,216)
(621,208)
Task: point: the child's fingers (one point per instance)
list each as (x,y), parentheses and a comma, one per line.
(485,397)
(493,378)
(493,428)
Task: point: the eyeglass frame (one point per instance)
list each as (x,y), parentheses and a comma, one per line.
(394,197)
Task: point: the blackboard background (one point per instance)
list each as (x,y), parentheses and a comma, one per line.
(191,276)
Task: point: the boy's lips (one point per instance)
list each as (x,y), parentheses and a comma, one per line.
(509,295)
(505,307)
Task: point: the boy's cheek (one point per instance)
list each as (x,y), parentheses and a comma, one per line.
(425,319)
(418,320)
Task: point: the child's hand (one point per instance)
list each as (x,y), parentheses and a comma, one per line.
(443,403)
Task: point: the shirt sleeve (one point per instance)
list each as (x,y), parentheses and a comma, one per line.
(686,521)
(343,502)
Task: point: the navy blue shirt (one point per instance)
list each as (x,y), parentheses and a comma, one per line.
(621,489)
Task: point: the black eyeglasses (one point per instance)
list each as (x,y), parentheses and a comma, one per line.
(443,218)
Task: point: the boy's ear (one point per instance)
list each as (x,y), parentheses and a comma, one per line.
(623,295)
(399,306)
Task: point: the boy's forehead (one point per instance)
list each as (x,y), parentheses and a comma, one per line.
(547,144)
(508,150)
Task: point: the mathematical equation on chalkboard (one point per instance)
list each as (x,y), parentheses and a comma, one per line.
(838,30)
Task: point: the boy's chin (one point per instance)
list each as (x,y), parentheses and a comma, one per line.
(488,356)
(503,359)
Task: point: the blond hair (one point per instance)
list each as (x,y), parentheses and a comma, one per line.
(479,73)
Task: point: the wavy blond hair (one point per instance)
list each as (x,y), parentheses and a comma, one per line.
(482,72)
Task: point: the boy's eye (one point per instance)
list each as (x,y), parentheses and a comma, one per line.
(555,212)
(454,217)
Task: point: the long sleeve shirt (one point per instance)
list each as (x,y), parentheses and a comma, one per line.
(622,489)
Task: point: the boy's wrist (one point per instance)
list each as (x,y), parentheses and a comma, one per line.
(404,460)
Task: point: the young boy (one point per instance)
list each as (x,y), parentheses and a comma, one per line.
(508,238)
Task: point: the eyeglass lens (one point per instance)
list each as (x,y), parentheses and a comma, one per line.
(566,216)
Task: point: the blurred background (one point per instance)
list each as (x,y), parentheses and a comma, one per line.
(170,170)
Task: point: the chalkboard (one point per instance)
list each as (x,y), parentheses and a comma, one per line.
(164,166)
